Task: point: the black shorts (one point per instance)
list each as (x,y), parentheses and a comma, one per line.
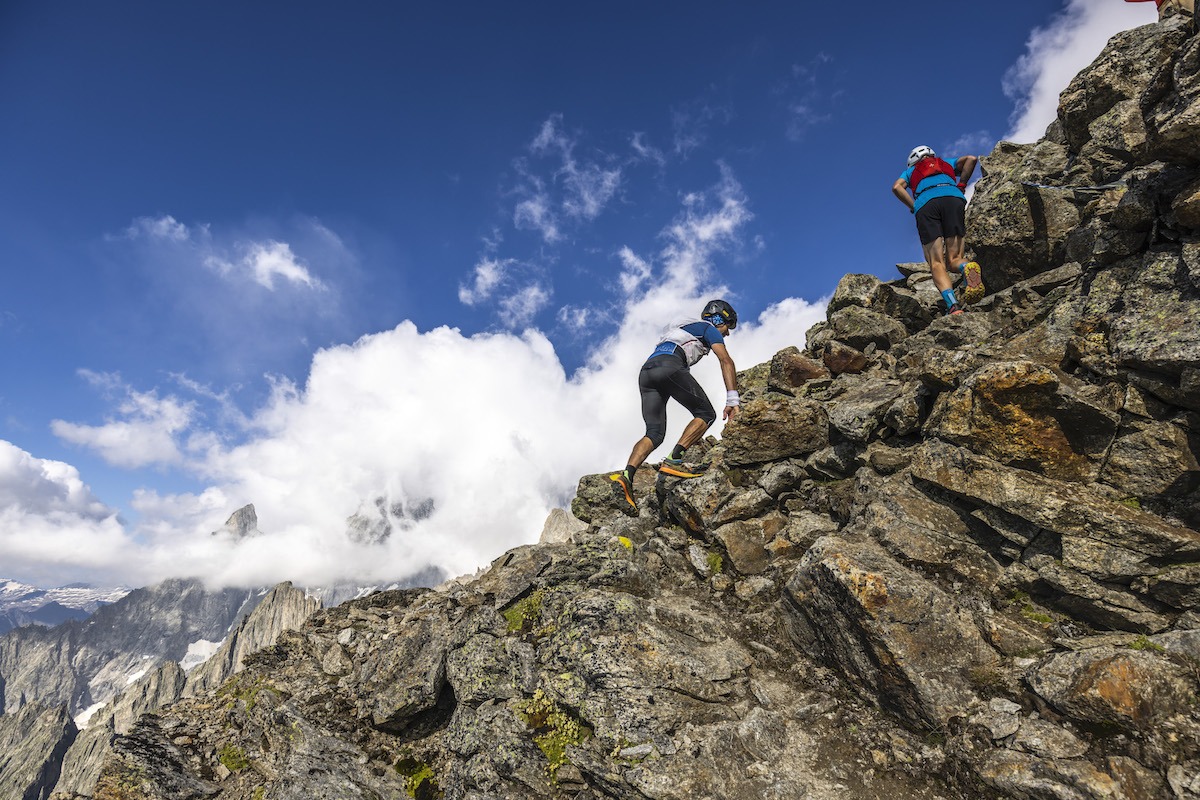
(942,217)
(664,377)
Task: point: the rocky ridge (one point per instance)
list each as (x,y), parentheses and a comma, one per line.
(90,661)
(283,608)
(32,743)
(146,651)
(933,557)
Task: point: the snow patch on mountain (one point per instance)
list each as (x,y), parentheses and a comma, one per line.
(198,652)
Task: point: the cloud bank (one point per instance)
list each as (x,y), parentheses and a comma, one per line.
(52,528)
(404,449)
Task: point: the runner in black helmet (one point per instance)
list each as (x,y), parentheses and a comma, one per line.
(665,375)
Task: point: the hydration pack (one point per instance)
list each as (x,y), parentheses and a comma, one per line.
(674,335)
(931,167)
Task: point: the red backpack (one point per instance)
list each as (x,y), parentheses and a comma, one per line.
(928,167)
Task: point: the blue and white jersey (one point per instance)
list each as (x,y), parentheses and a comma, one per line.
(690,339)
(937,185)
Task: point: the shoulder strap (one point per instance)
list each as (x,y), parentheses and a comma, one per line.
(929,167)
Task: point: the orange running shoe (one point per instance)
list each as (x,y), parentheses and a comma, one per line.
(625,491)
(676,467)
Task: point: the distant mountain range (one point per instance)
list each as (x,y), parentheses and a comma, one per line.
(22,604)
(66,691)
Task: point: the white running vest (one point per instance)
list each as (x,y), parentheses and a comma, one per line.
(693,348)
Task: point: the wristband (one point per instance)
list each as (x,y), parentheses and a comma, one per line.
(731,398)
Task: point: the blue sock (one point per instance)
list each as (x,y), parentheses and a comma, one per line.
(948,296)
(962,268)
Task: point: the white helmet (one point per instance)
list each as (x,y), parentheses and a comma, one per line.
(918,153)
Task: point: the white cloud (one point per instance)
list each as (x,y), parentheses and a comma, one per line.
(489,272)
(165,228)
(516,287)
(460,445)
(690,123)
(271,259)
(645,151)
(589,188)
(575,318)
(634,270)
(1056,52)
(53,530)
(520,308)
(705,226)
(41,486)
(577,188)
(536,214)
(261,261)
(806,99)
(145,433)
(970,144)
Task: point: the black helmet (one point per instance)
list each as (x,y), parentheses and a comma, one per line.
(722,310)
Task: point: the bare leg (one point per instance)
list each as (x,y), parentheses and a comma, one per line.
(956,251)
(642,449)
(692,433)
(935,257)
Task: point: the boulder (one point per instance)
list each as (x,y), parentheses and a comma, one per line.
(1186,205)
(1151,327)
(772,430)
(1024,415)
(899,637)
(1134,689)
(1173,124)
(1116,142)
(1137,543)
(791,370)
(842,358)
(853,290)
(1019,217)
(597,498)
(860,327)
(922,533)
(1152,458)
(861,412)
(410,676)
(1135,65)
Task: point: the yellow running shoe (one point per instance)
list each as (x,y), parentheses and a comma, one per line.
(974,278)
(626,491)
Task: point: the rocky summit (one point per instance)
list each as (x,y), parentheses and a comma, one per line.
(933,557)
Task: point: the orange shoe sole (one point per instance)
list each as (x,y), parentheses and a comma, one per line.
(677,471)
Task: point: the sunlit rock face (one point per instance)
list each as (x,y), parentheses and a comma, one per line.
(933,557)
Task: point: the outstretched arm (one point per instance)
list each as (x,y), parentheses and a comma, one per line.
(729,373)
(900,189)
(965,168)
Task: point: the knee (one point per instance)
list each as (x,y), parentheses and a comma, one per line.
(708,416)
(656,434)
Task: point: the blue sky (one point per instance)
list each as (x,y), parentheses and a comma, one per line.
(333,260)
